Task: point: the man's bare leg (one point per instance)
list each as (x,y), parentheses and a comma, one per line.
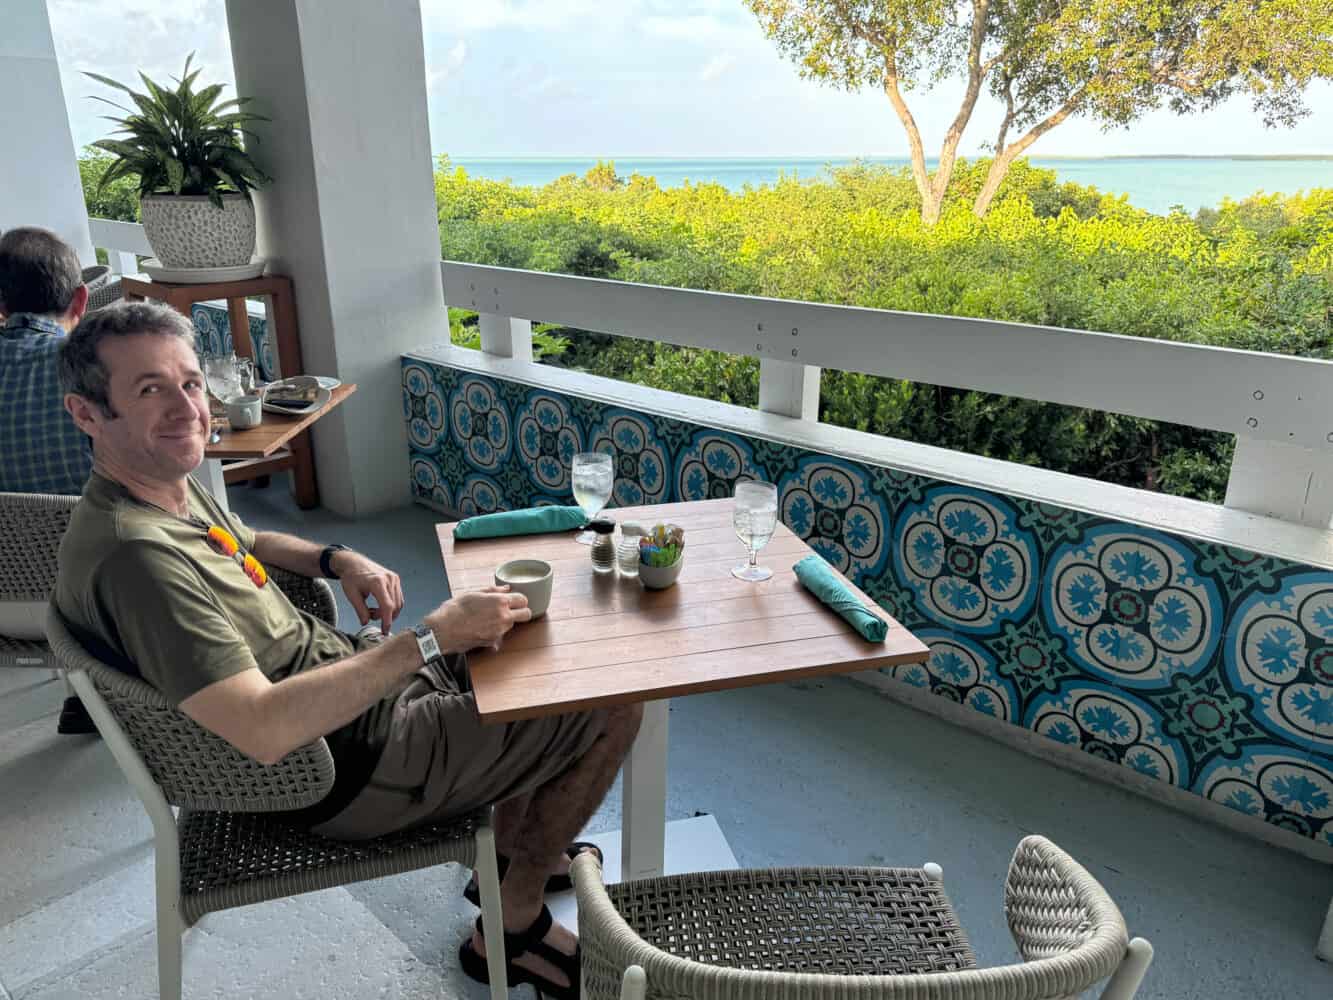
(556,813)
(508,821)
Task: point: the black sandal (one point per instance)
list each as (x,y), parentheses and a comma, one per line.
(556,883)
(526,942)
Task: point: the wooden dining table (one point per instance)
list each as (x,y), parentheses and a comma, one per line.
(606,640)
(254,446)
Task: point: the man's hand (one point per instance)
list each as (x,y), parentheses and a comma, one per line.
(363,577)
(477,618)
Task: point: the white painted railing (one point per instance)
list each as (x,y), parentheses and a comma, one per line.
(121,241)
(1280,408)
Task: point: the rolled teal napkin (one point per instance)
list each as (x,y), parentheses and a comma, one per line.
(821,581)
(530,521)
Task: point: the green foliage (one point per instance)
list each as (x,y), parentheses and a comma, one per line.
(181,141)
(118,200)
(1046,60)
(1255,274)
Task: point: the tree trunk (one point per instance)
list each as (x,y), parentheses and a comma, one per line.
(994,177)
(931,205)
(1006,155)
(930,202)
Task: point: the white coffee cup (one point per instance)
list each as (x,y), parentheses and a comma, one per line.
(530,577)
(244,411)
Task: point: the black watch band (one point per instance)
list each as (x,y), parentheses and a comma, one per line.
(326,560)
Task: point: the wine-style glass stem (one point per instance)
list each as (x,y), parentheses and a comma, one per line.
(754,557)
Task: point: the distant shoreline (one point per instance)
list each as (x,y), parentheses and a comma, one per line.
(541,157)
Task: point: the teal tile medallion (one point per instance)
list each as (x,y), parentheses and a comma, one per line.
(1200,665)
(213,328)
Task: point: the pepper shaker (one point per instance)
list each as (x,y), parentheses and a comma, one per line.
(603,547)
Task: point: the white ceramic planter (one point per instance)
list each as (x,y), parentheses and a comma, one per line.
(190,231)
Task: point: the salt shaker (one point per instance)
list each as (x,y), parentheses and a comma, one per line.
(627,552)
(603,547)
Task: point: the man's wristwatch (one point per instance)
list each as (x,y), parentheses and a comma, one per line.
(426,642)
(326,560)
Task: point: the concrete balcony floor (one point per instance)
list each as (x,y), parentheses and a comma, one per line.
(823,772)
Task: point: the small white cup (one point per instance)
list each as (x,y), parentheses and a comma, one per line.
(244,412)
(530,577)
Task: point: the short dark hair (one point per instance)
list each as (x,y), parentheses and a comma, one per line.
(39,272)
(81,369)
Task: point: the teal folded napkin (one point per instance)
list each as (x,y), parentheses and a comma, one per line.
(530,521)
(821,581)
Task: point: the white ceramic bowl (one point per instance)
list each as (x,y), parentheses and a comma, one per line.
(660,577)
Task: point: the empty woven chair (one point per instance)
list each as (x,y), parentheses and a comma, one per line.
(31,526)
(847,933)
(226,847)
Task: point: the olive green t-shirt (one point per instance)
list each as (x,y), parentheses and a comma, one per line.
(147,593)
(171,608)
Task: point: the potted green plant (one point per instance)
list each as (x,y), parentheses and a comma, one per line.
(195,175)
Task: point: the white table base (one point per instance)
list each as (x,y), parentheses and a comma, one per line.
(210,478)
(644,795)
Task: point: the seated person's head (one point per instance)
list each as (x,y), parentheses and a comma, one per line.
(40,273)
(133,384)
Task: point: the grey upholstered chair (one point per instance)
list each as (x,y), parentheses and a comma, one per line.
(224,848)
(31,526)
(849,933)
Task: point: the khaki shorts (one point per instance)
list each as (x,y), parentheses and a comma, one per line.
(440,761)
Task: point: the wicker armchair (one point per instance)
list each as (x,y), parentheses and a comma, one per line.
(224,848)
(31,526)
(882,933)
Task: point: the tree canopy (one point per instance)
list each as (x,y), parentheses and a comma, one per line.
(1047,60)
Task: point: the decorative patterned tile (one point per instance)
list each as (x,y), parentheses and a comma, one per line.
(214,327)
(1201,665)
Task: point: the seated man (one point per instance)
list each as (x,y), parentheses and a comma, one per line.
(147,581)
(42,296)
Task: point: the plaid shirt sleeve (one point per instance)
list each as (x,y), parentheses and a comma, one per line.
(41,451)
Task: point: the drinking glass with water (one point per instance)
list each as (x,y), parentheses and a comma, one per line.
(592,479)
(755,518)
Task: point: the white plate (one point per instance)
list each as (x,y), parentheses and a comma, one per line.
(322,398)
(200,275)
(327,381)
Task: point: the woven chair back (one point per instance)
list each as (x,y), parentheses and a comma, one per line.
(1048,895)
(194,768)
(31,526)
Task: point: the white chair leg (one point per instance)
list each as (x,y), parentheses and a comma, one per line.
(1324,948)
(170,926)
(1124,982)
(634,985)
(492,922)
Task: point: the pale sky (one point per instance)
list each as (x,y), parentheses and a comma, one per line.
(626,78)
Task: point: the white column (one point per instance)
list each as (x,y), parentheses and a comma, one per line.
(350,216)
(39,173)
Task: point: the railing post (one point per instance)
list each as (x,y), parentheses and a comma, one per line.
(788,389)
(122,262)
(1283,481)
(505,336)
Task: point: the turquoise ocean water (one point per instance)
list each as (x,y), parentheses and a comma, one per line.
(1155,184)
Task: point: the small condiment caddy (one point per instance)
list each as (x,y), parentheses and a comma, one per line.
(661,555)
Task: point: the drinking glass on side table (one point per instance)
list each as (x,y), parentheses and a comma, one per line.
(592,479)
(223,376)
(755,518)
